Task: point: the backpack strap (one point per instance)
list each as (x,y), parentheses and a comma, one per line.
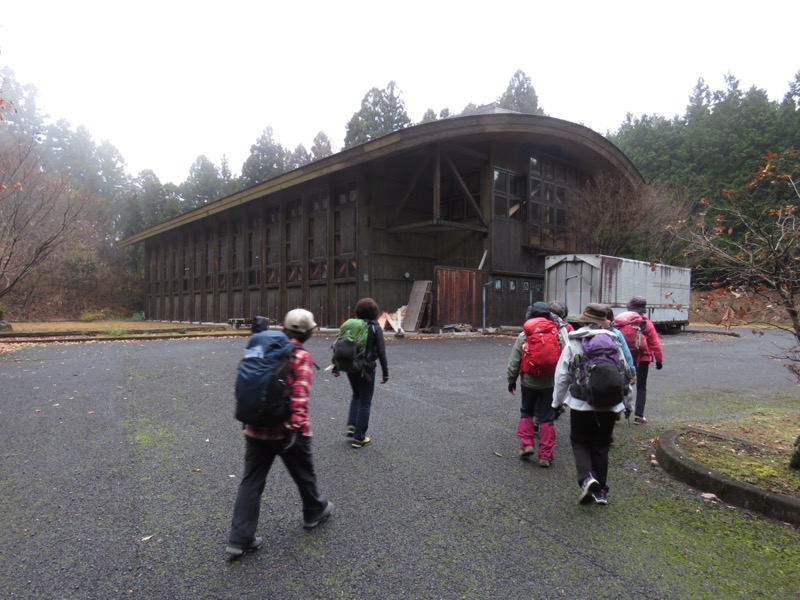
(370,347)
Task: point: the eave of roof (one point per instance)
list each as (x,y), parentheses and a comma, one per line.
(583,141)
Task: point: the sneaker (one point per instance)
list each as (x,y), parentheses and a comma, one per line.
(350,431)
(235,551)
(601,497)
(323,516)
(544,463)
(526,453)
(360,443)
(637,420)
(589,487)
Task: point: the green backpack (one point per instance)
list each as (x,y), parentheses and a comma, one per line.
(350,347)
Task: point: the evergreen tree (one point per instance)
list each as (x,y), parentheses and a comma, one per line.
(299,157)
(429,116)
(382,112)
(203,185)
(321,147)
(267,160)
(520,96)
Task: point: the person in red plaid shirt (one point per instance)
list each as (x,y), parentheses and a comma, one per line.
(290,440)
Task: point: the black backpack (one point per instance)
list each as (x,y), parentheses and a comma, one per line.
(262,381)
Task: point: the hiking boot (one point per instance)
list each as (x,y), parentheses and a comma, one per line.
(589,487)
(350,431)
(637,420)
(526,453)
(544,463)
(323,516)
(601,497)
(236,551)
(360,443)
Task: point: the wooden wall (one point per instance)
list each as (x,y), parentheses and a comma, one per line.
(326,243)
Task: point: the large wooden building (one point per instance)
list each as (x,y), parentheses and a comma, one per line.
(470,203)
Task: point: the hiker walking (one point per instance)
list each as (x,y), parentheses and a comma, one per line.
(626,351)
(534,356)
(291,440)
(559,311)
(645,346)
(595,397)
(362,380)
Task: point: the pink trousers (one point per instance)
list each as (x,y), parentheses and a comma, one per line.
(547,437)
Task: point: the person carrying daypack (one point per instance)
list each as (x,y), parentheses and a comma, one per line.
(534,357)
(645,346)
(288,437)
(350,347)
(590,379)
(362,375)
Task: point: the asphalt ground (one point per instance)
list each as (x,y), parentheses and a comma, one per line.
(120,462)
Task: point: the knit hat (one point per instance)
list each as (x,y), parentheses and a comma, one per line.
(299,320)
(594,313)
(538,309)
(637,304)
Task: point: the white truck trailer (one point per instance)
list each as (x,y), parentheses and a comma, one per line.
(578,279)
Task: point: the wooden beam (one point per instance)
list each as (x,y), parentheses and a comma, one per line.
(465,189)
(411,185)
(437,184)
(440,225)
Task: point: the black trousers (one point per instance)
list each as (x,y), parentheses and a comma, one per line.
(642,370)
(590,433)
(258,458)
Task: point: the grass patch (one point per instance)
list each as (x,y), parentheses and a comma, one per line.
(114,332)
(755,449)
(151,435)
(758,465)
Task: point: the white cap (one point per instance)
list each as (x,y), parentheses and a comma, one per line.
(299,320)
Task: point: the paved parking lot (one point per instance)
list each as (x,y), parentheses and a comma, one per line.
(120,463)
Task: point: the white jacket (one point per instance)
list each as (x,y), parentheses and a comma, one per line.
(561,393)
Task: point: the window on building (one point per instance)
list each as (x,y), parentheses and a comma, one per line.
(507,197)
(455,204)
(345,229)
(549,185)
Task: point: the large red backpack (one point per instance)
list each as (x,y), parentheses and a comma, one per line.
(541,350)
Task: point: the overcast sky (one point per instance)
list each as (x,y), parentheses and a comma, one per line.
(166,81)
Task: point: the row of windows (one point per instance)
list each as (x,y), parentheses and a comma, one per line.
(539,199)
(525,286)
(214,257)
(317,273)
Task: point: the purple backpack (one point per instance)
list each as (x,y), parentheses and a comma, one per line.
(598,373)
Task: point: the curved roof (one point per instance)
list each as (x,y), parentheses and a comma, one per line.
(565,139)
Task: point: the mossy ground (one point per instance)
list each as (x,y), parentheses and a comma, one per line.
(764,461)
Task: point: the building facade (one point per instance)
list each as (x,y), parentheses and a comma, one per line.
(471,203)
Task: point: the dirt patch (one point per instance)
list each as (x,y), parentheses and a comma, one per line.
(755,449)
(74,332)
